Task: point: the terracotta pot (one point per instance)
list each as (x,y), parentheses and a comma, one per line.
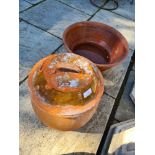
(100,43)
(63,116)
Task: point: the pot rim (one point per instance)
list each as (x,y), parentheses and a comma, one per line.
(67,110)
(111,29)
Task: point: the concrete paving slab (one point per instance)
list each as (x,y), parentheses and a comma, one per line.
(35,138)
(133,68)
(126,9)
(126,108)
(34,1)
(53,16)
(61,50)
(23,5)
(34,44)
(23,72)
(83,5)
(132,94)
(115,76)
(123,25)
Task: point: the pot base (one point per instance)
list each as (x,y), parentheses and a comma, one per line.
(97,54)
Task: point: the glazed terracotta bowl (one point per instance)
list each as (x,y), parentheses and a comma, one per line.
(57,111)
(100,43)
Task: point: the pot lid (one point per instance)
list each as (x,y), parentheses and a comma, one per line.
(67,72)
(66,79)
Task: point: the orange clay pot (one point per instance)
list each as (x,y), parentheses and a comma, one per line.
(61,113)
(100,43)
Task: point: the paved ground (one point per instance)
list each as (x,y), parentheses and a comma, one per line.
(41,27)
(126,108)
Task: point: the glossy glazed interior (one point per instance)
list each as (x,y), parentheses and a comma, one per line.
(98,42)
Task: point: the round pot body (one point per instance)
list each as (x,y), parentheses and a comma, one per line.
(102,44)
(68,116)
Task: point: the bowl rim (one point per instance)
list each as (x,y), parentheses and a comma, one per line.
(67,110)
(90,23)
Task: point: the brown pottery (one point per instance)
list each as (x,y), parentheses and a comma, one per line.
(100,43)
(65,90)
